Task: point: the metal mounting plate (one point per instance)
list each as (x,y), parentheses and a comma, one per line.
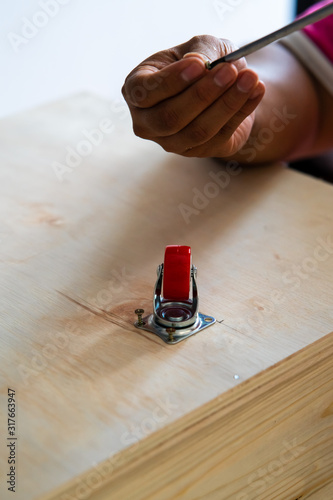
(150,325)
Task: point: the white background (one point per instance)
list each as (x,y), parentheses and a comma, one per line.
(92,45)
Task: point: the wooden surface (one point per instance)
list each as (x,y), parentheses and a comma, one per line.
(210,417)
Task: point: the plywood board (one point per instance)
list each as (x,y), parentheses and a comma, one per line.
(84,226)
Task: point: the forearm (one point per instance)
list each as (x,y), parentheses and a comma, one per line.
(287,121)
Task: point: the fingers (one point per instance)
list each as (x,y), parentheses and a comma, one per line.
(210,48)
(148,85)
(187,109)
(233,135)
(168,72)
(199,113)
(211,132)
(227,131)
(172,115)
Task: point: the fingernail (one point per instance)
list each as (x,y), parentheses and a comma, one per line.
(257,91)
(224,76)
(246,82)
(192,72)
(195,54)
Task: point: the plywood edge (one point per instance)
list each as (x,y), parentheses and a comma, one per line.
(323,492)
(257,404)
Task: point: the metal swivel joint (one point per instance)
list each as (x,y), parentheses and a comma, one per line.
(176,302)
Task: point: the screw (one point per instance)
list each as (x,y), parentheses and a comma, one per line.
(139,312)
(170,332)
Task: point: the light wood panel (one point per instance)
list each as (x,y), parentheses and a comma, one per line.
(78,256)
(270,437)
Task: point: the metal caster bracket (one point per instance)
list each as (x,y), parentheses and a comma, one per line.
(175,320)
(175,335)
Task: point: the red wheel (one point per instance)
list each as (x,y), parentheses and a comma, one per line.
(177,272)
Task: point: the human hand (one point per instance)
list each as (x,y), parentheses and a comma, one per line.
(175,101)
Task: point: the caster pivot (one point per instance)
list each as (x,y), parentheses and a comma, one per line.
(175,306)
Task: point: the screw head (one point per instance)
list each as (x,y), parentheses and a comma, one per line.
(170,332)
(139,311)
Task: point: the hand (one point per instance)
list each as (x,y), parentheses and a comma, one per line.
(175,101)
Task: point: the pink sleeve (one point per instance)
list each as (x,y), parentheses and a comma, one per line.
(313,47)
(321,32)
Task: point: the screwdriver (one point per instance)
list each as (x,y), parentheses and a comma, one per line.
(272,37)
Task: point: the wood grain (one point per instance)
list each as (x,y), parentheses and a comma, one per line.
(79,255)
(257,441)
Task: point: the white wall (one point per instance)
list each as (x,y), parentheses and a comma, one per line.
(92,45)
